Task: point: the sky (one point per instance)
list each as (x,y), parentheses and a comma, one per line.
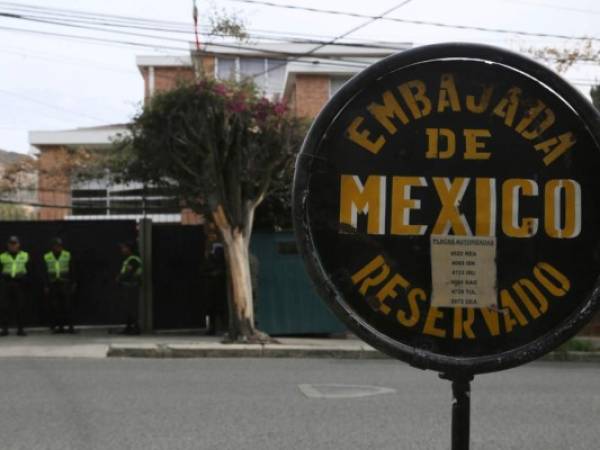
(53,83)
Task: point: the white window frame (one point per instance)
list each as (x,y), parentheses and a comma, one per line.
(238,74)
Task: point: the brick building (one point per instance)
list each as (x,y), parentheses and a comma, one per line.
(279,70)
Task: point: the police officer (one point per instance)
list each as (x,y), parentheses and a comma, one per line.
(129,281)
(14,263)
(58,286)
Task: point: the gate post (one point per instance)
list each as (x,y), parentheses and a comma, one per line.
(146,302)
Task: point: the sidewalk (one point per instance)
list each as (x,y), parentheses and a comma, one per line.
(100,344)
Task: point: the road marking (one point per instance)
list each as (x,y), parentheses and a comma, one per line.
(342,390)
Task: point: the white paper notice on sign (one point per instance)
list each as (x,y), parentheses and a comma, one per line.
(463,271)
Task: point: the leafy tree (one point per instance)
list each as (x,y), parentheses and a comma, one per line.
(220,148)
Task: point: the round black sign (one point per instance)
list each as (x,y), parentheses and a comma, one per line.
(447,204)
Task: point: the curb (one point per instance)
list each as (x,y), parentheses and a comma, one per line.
(270,351)
(167,351)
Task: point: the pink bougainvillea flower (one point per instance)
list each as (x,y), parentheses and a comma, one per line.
(280,108)
(220,89)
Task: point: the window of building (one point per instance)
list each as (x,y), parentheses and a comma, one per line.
(225,68)
(266,73)
(94,199)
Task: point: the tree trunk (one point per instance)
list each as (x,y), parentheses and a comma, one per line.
(241,302)
(241,310)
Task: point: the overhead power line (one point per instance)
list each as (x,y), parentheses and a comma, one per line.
(69,24)
(337,38)
(89,27)
(86,14)
(75,16)
(53,106)
(95,39)
(274,53)
(107,27)
(418,22)
(63,59)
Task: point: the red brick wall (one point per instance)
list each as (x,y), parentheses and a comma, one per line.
(54,182)
(310,95)
(208,66)
(167,78)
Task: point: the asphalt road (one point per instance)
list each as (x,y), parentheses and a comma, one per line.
(257,404)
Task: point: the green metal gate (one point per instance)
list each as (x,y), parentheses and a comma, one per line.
(287,302)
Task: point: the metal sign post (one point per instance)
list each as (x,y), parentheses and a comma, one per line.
(461,411)
(446,205)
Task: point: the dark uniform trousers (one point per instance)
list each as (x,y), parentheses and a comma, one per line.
(60,299)
(12,300)
(130,296)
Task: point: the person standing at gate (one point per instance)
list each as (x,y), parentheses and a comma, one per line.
(214,273)
(14,263)
(129,281)
(58,287)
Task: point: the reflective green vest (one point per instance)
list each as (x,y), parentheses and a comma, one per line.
(14,266)
(58,268)
(138,272)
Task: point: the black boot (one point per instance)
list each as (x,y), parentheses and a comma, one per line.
(4,332)
(21,332)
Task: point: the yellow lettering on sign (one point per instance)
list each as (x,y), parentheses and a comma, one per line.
(558,286)
(485,207)
(512,189)
(413,93)
(362,137)
(448,94)
(520,288)
(402,204)
(562,221)
(364,277)
(433,135)
(389,291)
(473,143)
(491,319)
(430,328)
(530,116)
(366,199)
(555,146)
(507,107)
(512,314)
(390,109)
(450,194)
(410,320)
(480,106)
(463,326)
